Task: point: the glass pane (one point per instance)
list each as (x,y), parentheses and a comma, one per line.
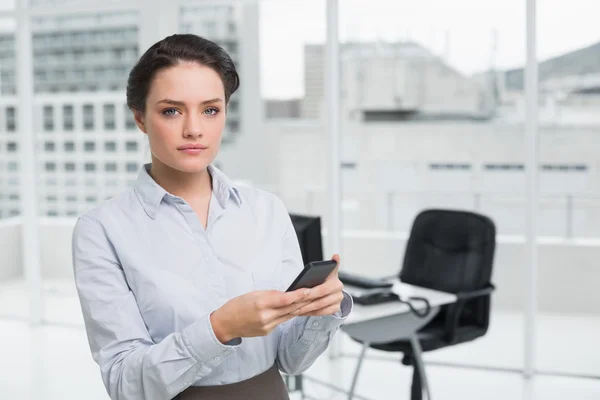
(81,64)
(569,210)
(428,122)
(13,293)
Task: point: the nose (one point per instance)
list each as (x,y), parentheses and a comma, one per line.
(193,127)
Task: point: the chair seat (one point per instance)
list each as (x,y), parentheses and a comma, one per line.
(431,338)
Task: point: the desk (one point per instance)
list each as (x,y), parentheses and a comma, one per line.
(393,321)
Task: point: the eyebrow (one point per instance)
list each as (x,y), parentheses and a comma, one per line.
(180,103)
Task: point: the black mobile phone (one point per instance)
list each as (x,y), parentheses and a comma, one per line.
(313,274)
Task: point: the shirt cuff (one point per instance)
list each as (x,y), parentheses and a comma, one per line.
(202,343)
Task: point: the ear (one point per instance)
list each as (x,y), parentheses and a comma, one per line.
(140,120)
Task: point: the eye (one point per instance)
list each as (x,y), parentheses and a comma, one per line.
(169,112)
(211,111)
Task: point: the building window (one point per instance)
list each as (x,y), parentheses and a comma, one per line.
(132,167)
(70,167)
(12,166)
(89,146)
(90,167)
(109,117)
(49,146)
(51,199)
(68,117)
(129,120)
(48,118)
(52,213)
(88,117)
(11,147)
(71,199)
(131,146)
(110,147)
(91,199)
(69,147)
(449,166)
(50,166)
(565,167)
(110,167)
(504,167)
(11,119)
(14,196)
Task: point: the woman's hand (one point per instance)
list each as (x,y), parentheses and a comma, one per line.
(256,313)
(325,299)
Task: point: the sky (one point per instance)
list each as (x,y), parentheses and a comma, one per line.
(461,31)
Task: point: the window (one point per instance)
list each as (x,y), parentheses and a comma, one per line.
(131,146)
(565,167)
(11,119)
(49,146)
(50,166)
(14,196)
(110,166)
(68,118)
(450,166)
(504,167)
(11,147)
(71,199)
(70,166)
(91,199)
(110,147)
(52,213)
(12,166)
(51,199)
(132,167)
(90,167)
(129,121)
(88,117)
(69,147)
(109,117)
(48,118)
(89,146)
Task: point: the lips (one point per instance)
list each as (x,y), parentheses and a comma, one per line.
(192,147)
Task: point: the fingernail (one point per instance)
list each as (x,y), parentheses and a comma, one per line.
(307,292)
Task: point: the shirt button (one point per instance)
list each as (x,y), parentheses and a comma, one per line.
(315,323)
(227,352)
(217,358)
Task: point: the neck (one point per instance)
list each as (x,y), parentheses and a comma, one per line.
(189,186)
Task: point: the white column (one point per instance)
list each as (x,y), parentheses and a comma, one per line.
(531,133)
(332,118)
(27,144)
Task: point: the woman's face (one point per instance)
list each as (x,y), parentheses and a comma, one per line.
(185,116)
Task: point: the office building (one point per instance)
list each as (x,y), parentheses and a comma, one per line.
(89,146)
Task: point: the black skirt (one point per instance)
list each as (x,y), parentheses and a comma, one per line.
(267,386)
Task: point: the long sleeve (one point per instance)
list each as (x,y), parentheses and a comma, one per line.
(303,339)
(133,367)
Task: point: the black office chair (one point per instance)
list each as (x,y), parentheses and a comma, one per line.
(450,251)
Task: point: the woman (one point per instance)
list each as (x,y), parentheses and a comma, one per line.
(182,278)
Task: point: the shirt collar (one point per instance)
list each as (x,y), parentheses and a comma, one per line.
(150,194)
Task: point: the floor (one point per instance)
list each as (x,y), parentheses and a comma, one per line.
(52,362)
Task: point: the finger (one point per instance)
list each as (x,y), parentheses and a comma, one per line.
(277,321)
(275,299)
(333,274)
(322,312)
(290,309)
(326,288)
(327,301)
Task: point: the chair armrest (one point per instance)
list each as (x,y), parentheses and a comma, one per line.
(475,293)
(455,310)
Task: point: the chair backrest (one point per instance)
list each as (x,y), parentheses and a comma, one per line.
(450,250)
